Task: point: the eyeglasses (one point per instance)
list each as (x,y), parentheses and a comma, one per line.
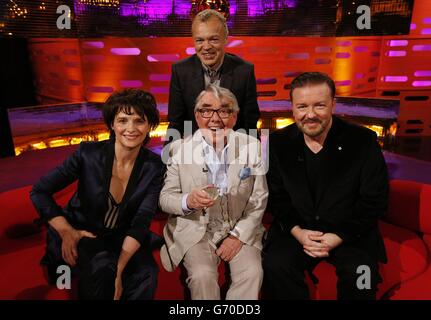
(223,113)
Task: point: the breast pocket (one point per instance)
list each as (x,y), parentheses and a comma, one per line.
(245,187)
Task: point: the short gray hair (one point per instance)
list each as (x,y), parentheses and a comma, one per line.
(207,14)
(219,93)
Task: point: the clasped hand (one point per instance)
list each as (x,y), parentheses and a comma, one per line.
(316,244)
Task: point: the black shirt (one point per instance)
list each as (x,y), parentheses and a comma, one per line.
(314,166)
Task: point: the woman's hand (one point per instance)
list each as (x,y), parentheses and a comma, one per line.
(70,238)
(130,246)
(69,246)
(118,287)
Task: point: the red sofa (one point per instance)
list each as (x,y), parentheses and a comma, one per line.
(406,231)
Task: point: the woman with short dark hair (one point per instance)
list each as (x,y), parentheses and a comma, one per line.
(104,230)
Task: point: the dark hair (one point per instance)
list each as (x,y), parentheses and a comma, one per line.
(142,102)
(310,78)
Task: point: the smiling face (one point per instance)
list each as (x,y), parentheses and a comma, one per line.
(312,108)
(215,128)
(130,129)
(209,38)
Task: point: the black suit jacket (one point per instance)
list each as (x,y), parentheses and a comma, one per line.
(91,165)
(187,81)
(355,185)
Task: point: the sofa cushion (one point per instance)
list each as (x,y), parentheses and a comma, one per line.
(22,278)
(418,288)
(17,216)
(410,205)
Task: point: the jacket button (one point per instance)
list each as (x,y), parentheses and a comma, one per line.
(317,218)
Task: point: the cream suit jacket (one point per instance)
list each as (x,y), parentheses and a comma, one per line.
(186,170)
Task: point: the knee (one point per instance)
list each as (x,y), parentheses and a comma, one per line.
(202,275)
(277,262)
(365,272)
(103,263)
(271,261)
(146,275)
(251,272)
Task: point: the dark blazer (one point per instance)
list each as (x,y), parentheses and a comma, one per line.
(355,185)
(91,164)
(187,81)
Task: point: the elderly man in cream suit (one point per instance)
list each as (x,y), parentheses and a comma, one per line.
(215,193)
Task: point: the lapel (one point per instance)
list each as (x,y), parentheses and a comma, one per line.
(198,83)
(226,72)
(107,171)
(198,169)
(135,176)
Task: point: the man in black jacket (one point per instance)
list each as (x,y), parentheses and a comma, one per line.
(211,65)
(328,187)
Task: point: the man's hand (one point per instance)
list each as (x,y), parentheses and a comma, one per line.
(313,248)
(229,248)
(331,240)
(69,245)
(199,199)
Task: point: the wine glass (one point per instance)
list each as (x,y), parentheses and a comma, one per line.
(212,191)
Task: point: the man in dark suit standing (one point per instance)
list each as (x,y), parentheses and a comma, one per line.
(328,187)
(211,65)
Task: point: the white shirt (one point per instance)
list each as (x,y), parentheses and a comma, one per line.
(217,165)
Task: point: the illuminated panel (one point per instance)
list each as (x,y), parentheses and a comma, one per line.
(126,51)
(159,90)
(423,73)
(377,129)
(283,122)
(66,140)
(259,124)
(93,45)
(344,43)
(361,49)
(421,83)
(398,43)
(131,83)
(342,55)
(395,78)
(323,61)
(422,48)
(101,3)
(235,43)
(160,131)
(162,57)
(396,53)
(343,83)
